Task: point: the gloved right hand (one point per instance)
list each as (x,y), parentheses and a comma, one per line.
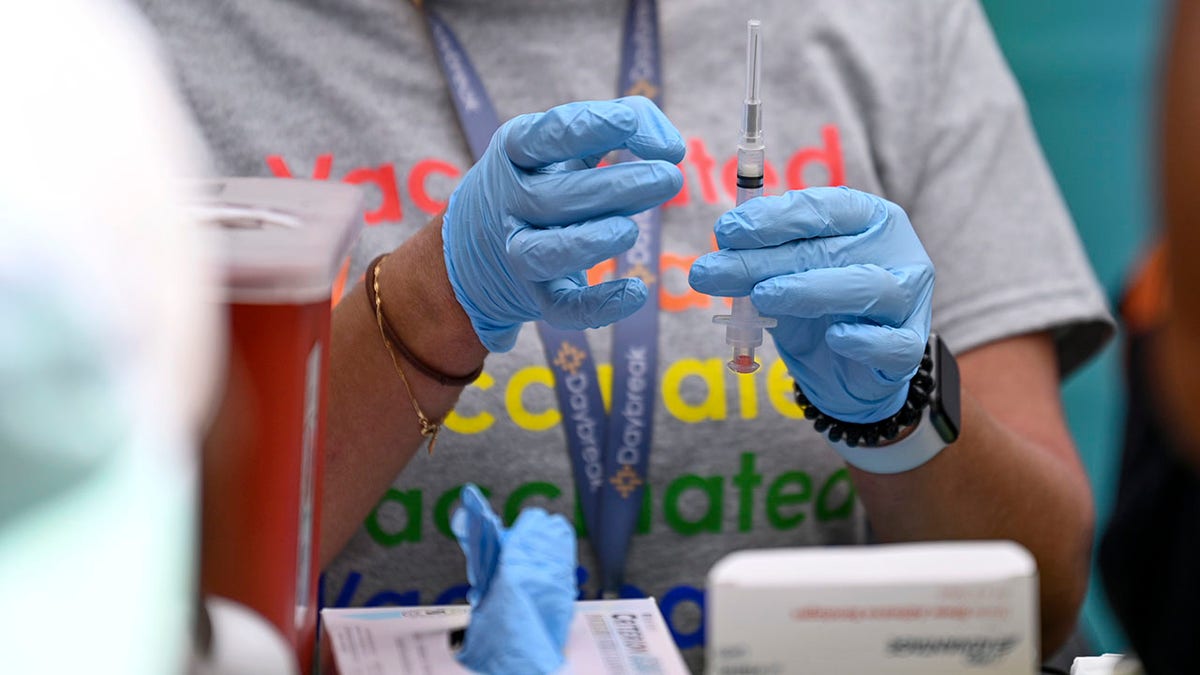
(535,212)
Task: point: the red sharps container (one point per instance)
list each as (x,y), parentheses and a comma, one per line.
(281,244)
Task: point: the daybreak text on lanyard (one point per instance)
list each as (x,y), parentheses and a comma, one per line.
(609,453)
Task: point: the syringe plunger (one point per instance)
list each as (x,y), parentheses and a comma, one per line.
(744,332)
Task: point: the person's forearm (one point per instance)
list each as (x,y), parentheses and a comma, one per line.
(1176,372)
(994,483)
(371,428)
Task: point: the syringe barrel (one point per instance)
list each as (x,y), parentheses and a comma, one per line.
(750,173)
(750,159)
(743,324)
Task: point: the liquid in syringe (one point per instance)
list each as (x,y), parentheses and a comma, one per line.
(743,325)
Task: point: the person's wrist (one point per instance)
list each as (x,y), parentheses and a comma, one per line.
(395,343)
(928,420)
(871,434)
(470,290)
(423,309)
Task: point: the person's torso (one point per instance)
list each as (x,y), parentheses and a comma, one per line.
(351,91)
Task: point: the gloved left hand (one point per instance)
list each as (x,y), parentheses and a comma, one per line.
(537,210)
(849,282)
(523,587)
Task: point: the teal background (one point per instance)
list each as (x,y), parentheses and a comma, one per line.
(1089,71)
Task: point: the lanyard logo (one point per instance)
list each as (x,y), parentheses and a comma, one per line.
(626,480)
(570,358)
(642,87)
(642,272)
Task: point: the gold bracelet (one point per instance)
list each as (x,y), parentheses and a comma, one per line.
(429,429)
(393,339)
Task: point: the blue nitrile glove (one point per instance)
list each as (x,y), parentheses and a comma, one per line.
(849,282)
(535,212)
(523,587)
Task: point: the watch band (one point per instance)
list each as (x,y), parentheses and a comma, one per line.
(906,454)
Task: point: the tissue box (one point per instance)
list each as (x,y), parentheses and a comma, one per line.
(961,607)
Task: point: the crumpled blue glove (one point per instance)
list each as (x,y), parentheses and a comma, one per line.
(535,212)
(849,282)
(523,587)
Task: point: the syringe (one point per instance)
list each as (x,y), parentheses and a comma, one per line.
(743,326)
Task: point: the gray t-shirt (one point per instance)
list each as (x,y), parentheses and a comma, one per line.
(909,99)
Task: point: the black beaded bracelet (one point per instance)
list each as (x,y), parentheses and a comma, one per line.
(874,433)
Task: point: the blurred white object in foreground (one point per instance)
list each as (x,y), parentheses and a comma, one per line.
(107,346)
(243,643)
(952,607)
(1107,664)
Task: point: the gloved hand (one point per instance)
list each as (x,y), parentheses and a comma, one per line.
(849,282)
(534,213)
(523,587)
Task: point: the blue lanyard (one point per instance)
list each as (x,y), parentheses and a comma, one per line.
(609,453)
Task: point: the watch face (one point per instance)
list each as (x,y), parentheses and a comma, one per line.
(945,404)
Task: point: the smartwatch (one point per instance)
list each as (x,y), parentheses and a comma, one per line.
(929,420)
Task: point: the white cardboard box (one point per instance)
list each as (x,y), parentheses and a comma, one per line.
(962,607)
(608,637)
